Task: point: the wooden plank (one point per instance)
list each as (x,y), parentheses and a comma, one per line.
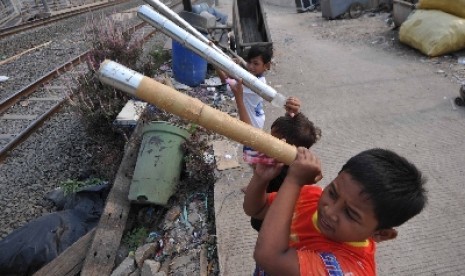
(100,258)
(18,117)
(24,52)
(46,99)
(70,261)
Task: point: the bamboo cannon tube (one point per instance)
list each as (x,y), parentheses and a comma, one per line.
(194,110)
(204,50)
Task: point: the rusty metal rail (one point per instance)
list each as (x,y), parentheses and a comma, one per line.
(45,21)
(28,90)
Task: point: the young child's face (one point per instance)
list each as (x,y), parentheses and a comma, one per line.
(256,66)
(344,213)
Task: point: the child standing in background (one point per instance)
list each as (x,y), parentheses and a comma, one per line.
(249,104)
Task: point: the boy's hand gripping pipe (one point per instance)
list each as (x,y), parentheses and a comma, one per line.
(192,109)
(211,55)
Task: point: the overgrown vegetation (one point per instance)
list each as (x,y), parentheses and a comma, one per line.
(71,186)
(135,238)
(98,106)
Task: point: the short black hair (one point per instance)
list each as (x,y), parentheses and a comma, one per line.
(298,130)
(394,185)
(266,52)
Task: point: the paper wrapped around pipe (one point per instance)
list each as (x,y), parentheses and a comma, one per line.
(204,50)
(194,110)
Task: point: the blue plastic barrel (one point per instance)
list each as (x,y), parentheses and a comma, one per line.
(188,67)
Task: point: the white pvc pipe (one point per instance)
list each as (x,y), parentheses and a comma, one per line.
(170,14)
(204,50)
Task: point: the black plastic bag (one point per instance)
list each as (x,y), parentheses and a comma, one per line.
(32,246)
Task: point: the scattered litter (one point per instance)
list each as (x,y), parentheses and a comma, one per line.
(440,71)
(3,78)
(379,40)
(461,60)
(213,81)
(130,113)
(165,67)
(24,103)
(180,86)
(208,158)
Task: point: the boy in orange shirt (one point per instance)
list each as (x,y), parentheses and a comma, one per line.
(310,231)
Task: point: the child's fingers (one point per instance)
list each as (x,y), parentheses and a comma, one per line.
(308,165)
(292,106)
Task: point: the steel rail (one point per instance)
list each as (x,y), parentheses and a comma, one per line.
(32,127)
(22,136)
(26,91)
(31,88)
(45,21)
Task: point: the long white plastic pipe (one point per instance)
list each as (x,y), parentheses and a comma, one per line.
(170,14)
(204,50)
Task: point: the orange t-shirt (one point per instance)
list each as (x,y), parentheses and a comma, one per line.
(319,255)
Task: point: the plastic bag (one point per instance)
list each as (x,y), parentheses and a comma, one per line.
(30,247)
(433,32)
(455,7)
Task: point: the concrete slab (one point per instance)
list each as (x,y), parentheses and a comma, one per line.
(235,237)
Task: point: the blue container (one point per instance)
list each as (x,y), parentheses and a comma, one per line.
(188,67)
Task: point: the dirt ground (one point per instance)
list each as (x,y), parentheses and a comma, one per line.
(375,30)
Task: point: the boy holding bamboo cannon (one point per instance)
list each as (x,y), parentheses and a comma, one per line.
(332,231)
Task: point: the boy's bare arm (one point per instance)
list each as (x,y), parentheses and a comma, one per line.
(255,198)
(238,91)
(222,75)
(272,251)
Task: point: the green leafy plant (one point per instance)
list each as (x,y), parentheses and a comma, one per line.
(72,186)
(135,238)
(156,58)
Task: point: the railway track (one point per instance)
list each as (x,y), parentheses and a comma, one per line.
(57,17)
(24,111)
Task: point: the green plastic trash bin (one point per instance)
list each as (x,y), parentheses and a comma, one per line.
(158,165)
